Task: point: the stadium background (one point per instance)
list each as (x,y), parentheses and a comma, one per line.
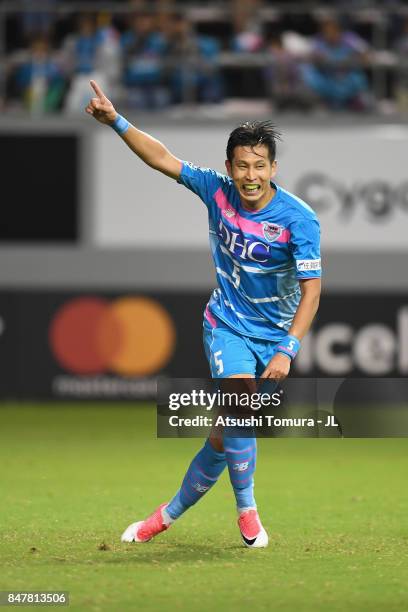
(85,220)
(105,272)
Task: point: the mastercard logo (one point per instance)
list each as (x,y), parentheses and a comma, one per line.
(131,336)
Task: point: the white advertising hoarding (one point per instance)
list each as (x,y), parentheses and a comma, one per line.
(354,177)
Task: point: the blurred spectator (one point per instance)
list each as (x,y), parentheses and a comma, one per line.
(284,83)
(90,53)
(401,49)
(108,60)
(247,36)
(38,79)
(335,75)
(192,61)
(39,22)
(143,52)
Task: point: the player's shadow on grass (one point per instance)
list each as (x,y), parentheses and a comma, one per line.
(177,552)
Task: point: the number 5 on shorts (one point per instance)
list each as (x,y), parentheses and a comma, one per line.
(218,362)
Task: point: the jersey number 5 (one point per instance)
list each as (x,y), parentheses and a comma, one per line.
(236,277)
(218,362)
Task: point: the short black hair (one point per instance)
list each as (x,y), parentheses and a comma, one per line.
(251,134)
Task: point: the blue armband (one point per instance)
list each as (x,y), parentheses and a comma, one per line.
(120,125)
(289,346)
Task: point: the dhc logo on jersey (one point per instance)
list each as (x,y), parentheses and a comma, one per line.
(272,231)
(248,249)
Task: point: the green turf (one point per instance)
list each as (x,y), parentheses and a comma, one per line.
(73,477)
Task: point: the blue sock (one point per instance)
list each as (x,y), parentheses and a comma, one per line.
(203,473)
(241,460)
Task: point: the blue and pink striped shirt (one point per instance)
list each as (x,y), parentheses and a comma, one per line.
(259,256)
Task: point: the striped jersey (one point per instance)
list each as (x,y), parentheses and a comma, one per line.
(259,256)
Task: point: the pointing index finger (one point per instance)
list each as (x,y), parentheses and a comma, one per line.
(97,90)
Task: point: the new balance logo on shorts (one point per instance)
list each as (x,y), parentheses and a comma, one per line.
(200,488)
(241,467)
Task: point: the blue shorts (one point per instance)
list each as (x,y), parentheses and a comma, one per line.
(229,353)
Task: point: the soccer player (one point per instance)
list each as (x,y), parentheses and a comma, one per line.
(265,245)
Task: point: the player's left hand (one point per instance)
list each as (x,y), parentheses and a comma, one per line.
(278,367)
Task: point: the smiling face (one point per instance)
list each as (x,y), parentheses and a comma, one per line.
(252,170)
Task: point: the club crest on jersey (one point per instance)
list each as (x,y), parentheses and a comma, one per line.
(271,231)
(229,212)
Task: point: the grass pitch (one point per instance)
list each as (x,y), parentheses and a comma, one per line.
(74,476)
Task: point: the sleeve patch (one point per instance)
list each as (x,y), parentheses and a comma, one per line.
(305,265)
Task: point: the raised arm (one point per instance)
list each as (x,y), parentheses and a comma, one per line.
(150,150)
